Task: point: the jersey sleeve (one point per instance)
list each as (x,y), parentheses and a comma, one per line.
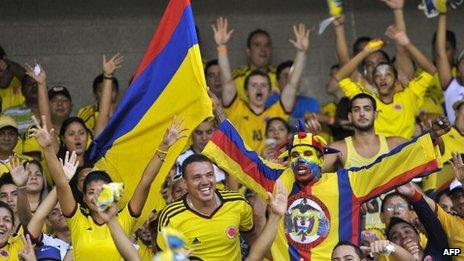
(246,218)
(349,87)
(418,157)
(227,149)
(126,220)
(417,88)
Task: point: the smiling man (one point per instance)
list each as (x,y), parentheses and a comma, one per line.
(211,220)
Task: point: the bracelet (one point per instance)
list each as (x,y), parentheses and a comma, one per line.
(416,197)
(222,49)
(22,187)
(159,157)
(108,77)
(162,151)
(389,249)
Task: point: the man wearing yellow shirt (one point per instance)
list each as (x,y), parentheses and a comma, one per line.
(396,110)
(210,220)
(259,49)
(250,117)
(10,83)
(9,137)
(89,113)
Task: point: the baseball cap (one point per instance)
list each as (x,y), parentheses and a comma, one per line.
(47,253)
(59,89)
(454,186)
(7,121)
(458,104)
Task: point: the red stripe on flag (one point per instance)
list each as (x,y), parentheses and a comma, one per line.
(249,166)
(402,179)
(164,31)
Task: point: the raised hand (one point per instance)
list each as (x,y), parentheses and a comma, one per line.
(373,46)
(221,32)
(398,35)
(112,64)
(458,167)
(18,172)
(412,247)
(339,20)
(174,133)
(440,126)
(44,138)
(408,190)
(394,4)
(27,253)
(278,200)
(69,165)
(312,123)
(40,78)
(302,37)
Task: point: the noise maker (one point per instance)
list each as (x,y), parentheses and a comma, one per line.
(440,5)
(373,44)
(335,7)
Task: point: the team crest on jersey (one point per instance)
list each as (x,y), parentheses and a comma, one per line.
(231,232)
(307,221)
(4,253)
(398,107)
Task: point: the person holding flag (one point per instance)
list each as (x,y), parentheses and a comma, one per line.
(323,208)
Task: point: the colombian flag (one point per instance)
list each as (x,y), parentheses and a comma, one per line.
(169,81)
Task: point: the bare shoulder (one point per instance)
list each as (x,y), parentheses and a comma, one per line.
(395,141)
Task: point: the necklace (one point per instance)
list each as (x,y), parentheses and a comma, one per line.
(217,202)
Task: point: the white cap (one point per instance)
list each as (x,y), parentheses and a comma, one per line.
(455,185)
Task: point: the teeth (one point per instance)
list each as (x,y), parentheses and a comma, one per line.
(301,172)
(205,189)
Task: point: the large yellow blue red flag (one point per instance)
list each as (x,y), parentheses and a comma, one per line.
(169,81)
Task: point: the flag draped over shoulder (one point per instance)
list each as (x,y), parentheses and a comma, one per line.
(169,81)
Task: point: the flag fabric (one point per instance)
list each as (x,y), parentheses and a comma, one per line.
(168,82)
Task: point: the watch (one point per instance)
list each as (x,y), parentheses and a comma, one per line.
(390,248)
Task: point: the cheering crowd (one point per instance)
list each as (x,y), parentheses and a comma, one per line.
(376,174)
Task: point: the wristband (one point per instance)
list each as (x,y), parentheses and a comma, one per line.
(221,49)
(108,77)
(22,187)
(416,197)
(162,151)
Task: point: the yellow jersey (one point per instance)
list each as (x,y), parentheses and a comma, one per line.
(398,117)
(241,73)
(92,241)
(454,142)
(454,228)
(12,95)
(252,126)
(434,99)
(211,238)
(145,252)
(11,250)
(353,159)
(89,115)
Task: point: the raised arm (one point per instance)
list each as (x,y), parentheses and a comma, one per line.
(278,204)
(458,167)
(122,242)
(20,177)
(172,135)
(44,103)
(351,66)
(221,36)
(301,44)
(443,64)
(402,39)
(64,192)
(104,104)
(37,222)
(341,46)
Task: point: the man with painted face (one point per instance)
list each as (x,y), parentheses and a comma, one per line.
(323,209)
(250,117)
(396,110)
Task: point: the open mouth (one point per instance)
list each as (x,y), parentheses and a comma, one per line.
(206,191)
(302,170)
(259,96)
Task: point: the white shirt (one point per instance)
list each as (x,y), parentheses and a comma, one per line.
(453,93)
(218,173)
(56,242)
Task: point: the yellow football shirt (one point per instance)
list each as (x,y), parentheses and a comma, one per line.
(252,126)
(454,228)
(211,238)
(145,252)
(398,117)
(11,250)
(454,142)
(89,115)
(12,96)
(434,99)
(94,242)
(241,73)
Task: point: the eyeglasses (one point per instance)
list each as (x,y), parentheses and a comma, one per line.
(400,207)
